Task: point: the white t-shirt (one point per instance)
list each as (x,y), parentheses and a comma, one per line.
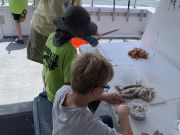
(74,120)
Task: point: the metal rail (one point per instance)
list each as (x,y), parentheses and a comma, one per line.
(114,5)
(129,2)
(135,4)
(92,3)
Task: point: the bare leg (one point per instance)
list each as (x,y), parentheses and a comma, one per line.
(18,29)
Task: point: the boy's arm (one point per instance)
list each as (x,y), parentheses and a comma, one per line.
(111,98)
(125,126)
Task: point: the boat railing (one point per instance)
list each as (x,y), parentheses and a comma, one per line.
(2,2)
(114,4)
(113,10)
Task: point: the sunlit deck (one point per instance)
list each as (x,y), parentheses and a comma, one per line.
(20,78)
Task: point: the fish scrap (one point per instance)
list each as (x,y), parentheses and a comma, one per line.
(157,132)
(138,53)
(137,91)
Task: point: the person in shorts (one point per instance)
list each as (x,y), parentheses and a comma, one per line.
(18,10)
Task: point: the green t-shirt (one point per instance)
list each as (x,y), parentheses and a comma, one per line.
(56,65)
(17,7)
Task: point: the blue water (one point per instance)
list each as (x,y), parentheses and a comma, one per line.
(144,3)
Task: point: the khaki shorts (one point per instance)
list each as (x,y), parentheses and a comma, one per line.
(35,45)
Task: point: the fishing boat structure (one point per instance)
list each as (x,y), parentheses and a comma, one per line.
(156,31)
(130,22)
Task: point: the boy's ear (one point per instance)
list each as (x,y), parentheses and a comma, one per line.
(95,91)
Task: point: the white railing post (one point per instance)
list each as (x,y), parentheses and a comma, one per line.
(92,3)
(114,5)
(135,3)
(1,23)
(128,10)
(1,28)
(114,8)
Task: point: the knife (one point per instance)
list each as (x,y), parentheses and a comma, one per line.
(106,33)
(178,116)
(94,40)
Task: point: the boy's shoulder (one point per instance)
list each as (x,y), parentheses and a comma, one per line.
(63,91)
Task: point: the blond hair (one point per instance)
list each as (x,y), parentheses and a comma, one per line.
(90,70)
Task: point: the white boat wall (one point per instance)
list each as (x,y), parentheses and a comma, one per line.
(131,23)
(163,31)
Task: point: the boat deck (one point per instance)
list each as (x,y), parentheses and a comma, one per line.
(20,78)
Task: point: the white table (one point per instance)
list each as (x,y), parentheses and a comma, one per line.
(162,117)
(155,72)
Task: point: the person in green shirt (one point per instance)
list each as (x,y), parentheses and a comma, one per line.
(59,51)
(18,10)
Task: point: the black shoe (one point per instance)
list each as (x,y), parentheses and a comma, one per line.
(18,41)
(15,38)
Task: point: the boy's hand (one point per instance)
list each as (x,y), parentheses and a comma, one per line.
(123,115)
(122,110)
(112,98)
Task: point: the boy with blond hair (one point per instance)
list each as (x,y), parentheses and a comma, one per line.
(90,74)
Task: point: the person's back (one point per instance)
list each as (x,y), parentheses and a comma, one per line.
(17,7)
(46,12)
(42,19)
(56,65)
